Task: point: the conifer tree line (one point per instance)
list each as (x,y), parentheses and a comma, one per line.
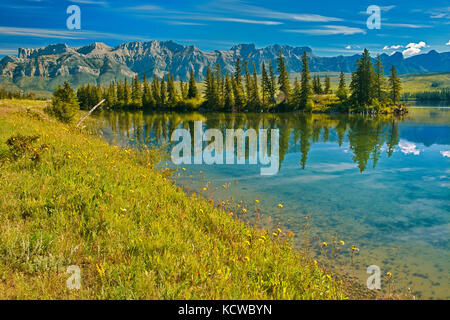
(245,90)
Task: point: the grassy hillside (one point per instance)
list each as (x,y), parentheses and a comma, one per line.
(425,82)
(69,198)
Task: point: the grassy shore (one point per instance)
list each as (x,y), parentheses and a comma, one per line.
(69,198)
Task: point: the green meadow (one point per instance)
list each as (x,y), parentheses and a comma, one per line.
(69,198)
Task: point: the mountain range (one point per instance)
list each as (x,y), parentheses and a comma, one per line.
(45,68)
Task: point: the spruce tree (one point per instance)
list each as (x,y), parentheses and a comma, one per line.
(265,84)
(362,85)
(136,93)
(395,86)
(126,93)
(238,91)
(148,101)
(172,95)
(255,88)
(380,81)
(120,94)
(163,93)
(327,88)
(156,90)
(305,95)
(228,94)
(193,91)
(283,77)
(272,84)
(341,92)
(64,103)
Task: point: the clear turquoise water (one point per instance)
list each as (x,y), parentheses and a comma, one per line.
(379,183)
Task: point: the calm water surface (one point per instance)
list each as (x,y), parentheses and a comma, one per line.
(380,183)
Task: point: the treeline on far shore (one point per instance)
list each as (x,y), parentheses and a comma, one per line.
(438,95)
(369,90)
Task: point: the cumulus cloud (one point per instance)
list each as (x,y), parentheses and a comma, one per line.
(448,43)
(393,47)
(414,48)
(446,154)
(408,148)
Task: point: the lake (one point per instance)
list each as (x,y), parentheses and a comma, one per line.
(379,183)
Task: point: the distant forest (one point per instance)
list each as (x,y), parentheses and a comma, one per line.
(244,90)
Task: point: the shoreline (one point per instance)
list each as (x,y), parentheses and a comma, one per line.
(221,235)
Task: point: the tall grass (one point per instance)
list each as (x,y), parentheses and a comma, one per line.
(134,234)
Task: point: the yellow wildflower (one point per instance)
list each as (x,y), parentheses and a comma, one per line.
(342,242)
(280,205)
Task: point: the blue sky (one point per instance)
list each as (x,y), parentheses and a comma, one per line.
(328,27)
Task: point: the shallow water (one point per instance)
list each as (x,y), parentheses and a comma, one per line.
(379,183)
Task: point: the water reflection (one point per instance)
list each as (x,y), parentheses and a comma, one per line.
(298,132)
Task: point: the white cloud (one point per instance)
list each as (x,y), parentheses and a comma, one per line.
(448,43)
(349,47)
(101,3)
(408,148)
(393,47)
(65,34)
(329,30)
(269,23)
(413,49)
(243,8)
(405,25)
(446,154)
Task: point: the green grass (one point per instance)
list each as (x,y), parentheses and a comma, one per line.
(425,82)
(69,198)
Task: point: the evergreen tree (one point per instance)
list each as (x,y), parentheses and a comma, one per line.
(64,103)
(136,93)
(148,101)
(341,92)
(193,91)
(265,85)
(120,94)
(110,97)
(305,95)
(209,88)
(126,93)
(238,91)
(163,93)
(219,87)
(272,84)
(172,95)
(228,94)
(380,81)
(296,94)
(327,88)
(395,86)
(183,90)
(156,90)
(283,77)
(255,88)
(318,86)
(248,84)
(362,85)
